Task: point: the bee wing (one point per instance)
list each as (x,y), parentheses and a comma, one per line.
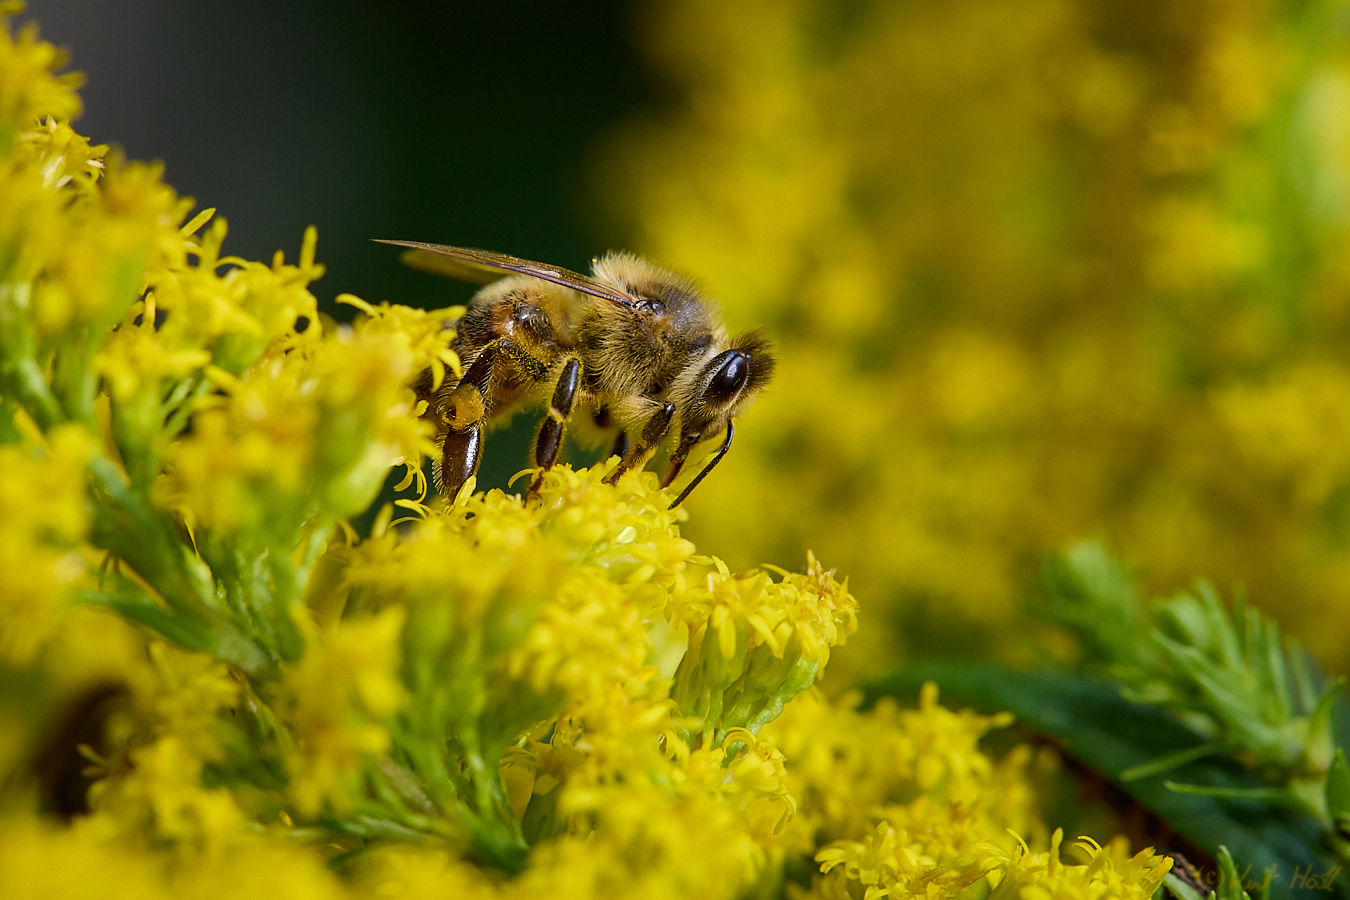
(484,266)
(449,266)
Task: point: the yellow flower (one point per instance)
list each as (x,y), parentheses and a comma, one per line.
(421,875)
(153,783)
(752,779)
(310,432)
(1107,873)
(43,519)
(135,359)
(237,314)
(899,797)
(755,643)
(65,157)
(28,87)
(43,861)
(338,699)
(427,333)
(92,265)
(890,864)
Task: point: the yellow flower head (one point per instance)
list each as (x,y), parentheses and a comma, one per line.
(304,433)
(905,796)
(171,730)
(28,86)
(755,643)
(338,699)
(43,519)
(1108,873)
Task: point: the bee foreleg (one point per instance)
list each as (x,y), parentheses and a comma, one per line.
(549,441)
(466,402)
(464,408)
(460,455)
(652,433)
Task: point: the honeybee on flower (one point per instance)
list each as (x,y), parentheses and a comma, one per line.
(639,345)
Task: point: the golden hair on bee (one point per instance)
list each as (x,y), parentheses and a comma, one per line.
(639,346)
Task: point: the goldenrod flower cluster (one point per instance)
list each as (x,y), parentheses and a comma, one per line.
(1039,270)
(214,688)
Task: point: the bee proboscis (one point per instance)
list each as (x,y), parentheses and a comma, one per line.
(642,347)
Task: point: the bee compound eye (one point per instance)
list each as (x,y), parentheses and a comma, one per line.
(730,377)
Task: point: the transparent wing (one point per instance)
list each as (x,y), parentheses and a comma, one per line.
(484,266)
(449,267)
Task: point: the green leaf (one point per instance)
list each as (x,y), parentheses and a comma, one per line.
(1180,889)
(1232,882)
(1338,787)
(1166,763)
(218,638)
(1096,726)
(1321,725)
(1268,796)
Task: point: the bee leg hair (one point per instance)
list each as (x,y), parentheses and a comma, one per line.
(652,432)
(549,441)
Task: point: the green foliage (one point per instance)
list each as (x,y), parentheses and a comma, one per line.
(1109,734)
(1228,676)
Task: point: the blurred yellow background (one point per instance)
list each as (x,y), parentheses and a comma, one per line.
(1037,270)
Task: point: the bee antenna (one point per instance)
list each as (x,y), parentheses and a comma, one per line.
(726,445)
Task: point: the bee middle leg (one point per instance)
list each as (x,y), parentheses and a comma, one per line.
(652,432)
(549,440)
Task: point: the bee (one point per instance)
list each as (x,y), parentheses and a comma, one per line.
(640,346)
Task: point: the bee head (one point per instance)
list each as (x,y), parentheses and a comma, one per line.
(724,385)
(734,376)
